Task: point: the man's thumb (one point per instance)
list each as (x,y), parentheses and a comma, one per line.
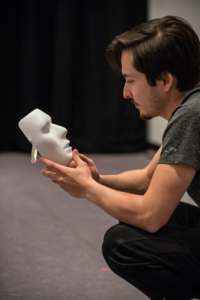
(75,156)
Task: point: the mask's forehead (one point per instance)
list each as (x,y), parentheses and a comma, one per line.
(34,123)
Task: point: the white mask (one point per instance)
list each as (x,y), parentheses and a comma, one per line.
(47,138)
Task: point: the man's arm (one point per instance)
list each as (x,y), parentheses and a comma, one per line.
(134,181)
(149,211)
(152,210)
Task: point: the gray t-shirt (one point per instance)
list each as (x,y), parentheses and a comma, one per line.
(181,139)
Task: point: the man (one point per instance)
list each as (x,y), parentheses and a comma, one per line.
(156,245)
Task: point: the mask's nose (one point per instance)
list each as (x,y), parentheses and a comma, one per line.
(59,130)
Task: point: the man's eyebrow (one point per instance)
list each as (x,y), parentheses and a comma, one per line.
(127,75)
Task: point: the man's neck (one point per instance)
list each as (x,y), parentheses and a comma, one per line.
(174,101)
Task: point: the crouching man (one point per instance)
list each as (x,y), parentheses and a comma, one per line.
(156,244)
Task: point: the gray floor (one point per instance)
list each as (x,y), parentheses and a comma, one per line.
(50,242)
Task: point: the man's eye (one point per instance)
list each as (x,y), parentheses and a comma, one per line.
(130,81)
(46,130)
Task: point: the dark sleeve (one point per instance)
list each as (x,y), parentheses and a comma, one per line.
(181,139)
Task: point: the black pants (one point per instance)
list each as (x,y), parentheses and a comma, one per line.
(165,264)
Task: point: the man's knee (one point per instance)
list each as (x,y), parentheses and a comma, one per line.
(110,241)
(115,237)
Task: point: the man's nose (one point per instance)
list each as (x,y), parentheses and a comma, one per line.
(126,92)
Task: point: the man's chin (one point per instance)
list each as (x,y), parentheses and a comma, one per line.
(145,117)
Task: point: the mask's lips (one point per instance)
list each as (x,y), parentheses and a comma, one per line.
(67,145)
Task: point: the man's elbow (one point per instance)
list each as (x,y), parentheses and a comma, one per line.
(153,229)
(154,224)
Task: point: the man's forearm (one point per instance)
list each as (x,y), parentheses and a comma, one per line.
(135,181)
(125,207)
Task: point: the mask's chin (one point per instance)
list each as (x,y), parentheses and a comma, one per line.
(57,154)
(63,156)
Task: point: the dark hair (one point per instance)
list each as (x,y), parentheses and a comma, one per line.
(166,44)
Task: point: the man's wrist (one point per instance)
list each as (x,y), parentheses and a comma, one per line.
(100,179)
(92,186)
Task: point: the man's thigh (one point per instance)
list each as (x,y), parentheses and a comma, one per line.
(173,251)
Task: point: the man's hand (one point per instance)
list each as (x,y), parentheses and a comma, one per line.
(93,169)
(74,180)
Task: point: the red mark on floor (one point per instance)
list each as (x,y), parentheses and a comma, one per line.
(105,269)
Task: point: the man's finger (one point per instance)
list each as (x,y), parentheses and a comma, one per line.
(76,158)
(51,175)
(50,170)
(53,166)
(72,165)
(86,159)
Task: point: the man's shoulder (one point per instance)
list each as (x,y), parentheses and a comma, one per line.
(183,130)
(188,110)
(190,102)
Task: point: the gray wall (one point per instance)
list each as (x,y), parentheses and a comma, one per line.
(189,10)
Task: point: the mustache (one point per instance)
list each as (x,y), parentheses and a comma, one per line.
(133,102)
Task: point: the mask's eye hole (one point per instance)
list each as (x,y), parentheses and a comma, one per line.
(46,129)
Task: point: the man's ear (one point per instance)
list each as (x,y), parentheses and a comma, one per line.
(167,80)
